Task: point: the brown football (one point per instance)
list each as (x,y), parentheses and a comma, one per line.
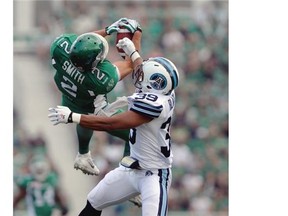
(123,32)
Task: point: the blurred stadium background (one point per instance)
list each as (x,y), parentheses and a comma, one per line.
(194,34)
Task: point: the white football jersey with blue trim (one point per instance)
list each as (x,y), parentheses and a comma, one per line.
(150,143)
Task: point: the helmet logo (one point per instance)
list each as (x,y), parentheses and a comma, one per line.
(158,81)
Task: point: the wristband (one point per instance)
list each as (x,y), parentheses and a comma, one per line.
(70,118)
(134,55)
(76,118)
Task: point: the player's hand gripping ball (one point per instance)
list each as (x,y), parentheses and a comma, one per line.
(123,32)
(127,28)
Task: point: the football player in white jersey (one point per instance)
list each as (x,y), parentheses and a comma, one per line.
(147,171)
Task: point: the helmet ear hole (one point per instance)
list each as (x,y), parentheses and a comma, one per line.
(160,76)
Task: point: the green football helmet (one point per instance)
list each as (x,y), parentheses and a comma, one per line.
(88,50)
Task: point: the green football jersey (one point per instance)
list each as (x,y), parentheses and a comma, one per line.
(40,196)
(80,89)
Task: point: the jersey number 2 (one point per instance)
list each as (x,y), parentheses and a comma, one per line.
(69,86)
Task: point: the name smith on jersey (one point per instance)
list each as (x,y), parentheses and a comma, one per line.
(73,72)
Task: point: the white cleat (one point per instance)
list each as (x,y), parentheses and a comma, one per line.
(136,201)
(85,163)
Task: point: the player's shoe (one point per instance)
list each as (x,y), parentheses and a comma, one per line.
(136,201)
(85,163)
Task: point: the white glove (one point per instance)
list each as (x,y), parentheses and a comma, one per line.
(99,103)
(111,109)
(130,24)
(136,200)
(115,26)
(61,114)
(127,45)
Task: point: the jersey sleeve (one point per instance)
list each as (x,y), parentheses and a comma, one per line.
(145,104)
(60,48)
(110,75)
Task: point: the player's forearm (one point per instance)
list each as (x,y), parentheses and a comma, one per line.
(101,32)
(124,67)
(100,123)
(121,121)
(126,120)
(135,56)
(127,66)
(137,40)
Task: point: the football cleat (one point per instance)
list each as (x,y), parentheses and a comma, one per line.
(85,163)
(136,201)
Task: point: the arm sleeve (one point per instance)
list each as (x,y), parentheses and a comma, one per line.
(111,74)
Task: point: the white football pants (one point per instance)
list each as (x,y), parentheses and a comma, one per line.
(122,183)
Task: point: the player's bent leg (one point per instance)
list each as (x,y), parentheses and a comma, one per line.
(89,211)
(84,136)
(114,188)
(124,135)
(85,163)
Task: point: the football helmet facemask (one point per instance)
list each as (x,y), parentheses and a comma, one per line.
(157,75)
(88,50)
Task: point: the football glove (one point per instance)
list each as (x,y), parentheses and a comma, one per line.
(127,45)
(114,27)
(131,25)
(111,109)
(61,114)
(99,103)
(136,201)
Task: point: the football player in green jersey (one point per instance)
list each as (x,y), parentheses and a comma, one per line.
(83,73)
(40,189)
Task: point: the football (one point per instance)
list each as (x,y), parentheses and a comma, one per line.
(123,32)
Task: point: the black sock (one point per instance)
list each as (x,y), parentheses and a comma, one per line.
(84,136)
(89,211)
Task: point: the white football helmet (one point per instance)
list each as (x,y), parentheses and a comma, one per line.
(158,75)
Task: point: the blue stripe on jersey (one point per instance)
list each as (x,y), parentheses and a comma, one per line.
(147,109)
(163,199)
(170,70)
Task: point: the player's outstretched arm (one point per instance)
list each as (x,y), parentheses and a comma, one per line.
(126,120)
(130,49)
(126,67)
(101,32)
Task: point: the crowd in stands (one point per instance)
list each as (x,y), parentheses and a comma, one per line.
(194,35)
